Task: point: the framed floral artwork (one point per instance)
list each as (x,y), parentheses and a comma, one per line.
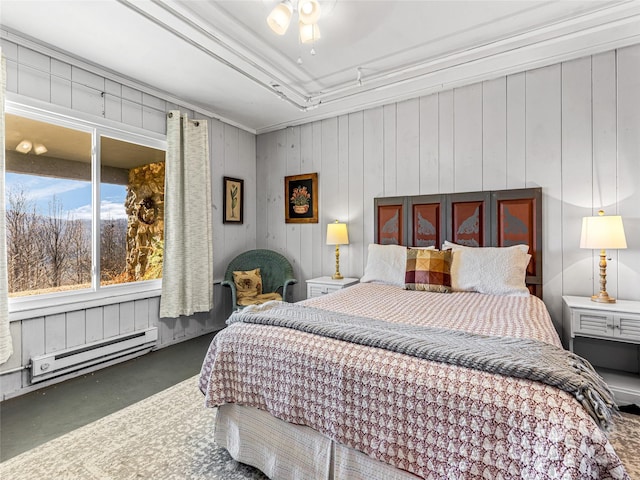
(301,198)
(233,204)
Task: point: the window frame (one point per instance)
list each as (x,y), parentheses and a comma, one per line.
(21,308)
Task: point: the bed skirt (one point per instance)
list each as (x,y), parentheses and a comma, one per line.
(285,451)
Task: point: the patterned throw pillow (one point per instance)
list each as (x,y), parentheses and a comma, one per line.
(428,270)
(248,284)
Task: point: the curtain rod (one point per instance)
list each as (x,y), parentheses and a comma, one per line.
(195,122)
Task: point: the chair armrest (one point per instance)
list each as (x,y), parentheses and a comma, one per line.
(234,295)
(287,282)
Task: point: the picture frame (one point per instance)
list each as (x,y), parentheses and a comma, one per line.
(301,198)
(233,200)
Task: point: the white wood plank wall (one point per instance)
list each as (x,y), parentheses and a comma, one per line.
(35,75)
(570,128)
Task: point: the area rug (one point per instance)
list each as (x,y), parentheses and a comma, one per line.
(169,436)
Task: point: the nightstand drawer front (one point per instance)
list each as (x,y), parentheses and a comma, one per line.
(627,326)
(317,290)
(317,287)
(592,323)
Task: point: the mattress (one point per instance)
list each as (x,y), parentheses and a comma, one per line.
(430,419)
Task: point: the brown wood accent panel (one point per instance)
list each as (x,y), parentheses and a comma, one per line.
(516,225)
(390,220)
(518,220)
(469,218)
(426,221)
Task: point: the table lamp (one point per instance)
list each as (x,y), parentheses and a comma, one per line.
(337,235)
(603,232)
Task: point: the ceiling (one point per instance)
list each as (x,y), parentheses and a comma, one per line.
(221,58)
(70,145)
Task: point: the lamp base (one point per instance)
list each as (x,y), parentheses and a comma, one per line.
(603,297)
(337,276)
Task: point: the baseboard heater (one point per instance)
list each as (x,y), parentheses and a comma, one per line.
(61,362)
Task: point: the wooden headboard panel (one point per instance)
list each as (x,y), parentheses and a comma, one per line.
(477,219)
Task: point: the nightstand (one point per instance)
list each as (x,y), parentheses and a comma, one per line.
(323,285)
(615,322)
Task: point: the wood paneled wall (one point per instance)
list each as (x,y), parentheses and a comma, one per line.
(35,75)
(571,128)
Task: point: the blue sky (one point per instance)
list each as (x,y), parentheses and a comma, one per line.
(74,195)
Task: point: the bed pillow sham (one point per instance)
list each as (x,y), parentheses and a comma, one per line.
(447,245)
(490,270)
(428,270)
(385,264)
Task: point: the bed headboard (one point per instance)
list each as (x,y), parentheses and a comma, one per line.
(480,219)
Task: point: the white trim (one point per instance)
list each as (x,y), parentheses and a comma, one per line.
(72,301)
(445,74)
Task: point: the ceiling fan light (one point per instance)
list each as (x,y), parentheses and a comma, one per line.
(309,33)
(280,17)
(309,11)
(24,146)
(39,149)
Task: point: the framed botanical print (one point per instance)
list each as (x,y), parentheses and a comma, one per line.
(301,198)
(233,204)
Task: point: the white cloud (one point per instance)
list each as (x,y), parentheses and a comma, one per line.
(37,189)
(108,211)
(81,213)
(112,210)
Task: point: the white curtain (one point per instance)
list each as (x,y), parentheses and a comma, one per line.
(187,275)
(6,346)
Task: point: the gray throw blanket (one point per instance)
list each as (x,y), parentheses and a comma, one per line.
(515,357)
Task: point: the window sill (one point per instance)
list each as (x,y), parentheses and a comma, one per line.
(25,308)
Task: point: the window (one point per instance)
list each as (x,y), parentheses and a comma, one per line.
(84,207)
(131,212)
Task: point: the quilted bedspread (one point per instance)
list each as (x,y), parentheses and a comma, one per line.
(431,419)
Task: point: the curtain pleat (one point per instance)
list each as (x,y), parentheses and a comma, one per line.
(6,345)
(187,276)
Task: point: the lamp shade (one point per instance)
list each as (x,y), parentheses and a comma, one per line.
(337,234)
(308,11)
(603,232)
(280,17)
(309,33)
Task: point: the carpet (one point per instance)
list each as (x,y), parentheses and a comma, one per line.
(169,436)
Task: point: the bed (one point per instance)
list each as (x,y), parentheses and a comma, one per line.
(298,404)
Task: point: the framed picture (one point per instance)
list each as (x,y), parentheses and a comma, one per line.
(233,205)
(301,198)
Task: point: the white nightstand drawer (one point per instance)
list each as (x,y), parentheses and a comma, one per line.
(590,322)
(317,290)
(317,287)
(627,326)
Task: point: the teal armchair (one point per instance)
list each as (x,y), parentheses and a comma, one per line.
(275,270)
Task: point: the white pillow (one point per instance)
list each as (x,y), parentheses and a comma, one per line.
(491,270)
(385,264)
(453,246)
